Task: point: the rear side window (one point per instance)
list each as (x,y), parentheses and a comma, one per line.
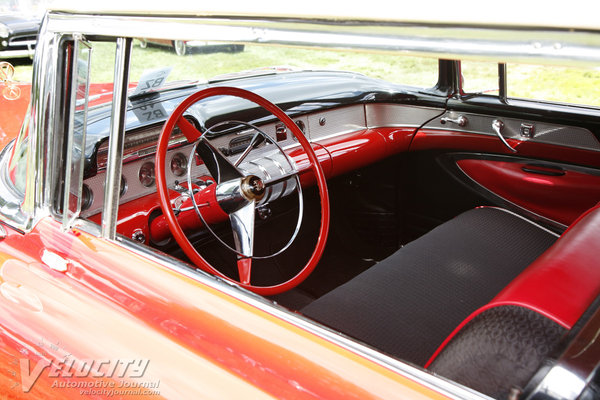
(554,84)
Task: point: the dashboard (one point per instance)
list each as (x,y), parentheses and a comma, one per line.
(336,133)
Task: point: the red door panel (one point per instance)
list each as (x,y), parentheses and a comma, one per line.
(555,191)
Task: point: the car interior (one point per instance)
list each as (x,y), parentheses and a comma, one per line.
(463,227)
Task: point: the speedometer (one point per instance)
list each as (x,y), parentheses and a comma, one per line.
(146,174)
(179,164)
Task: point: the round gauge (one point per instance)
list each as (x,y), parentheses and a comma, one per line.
(146,174)
(179,164)
(302,127)
(87,197)
(123,186)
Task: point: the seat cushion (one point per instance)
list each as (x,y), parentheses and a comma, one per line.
(407,304)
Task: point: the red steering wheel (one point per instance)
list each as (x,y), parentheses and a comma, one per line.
(236,194)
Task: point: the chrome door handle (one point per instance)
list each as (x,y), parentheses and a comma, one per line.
(461,120)
(497,127)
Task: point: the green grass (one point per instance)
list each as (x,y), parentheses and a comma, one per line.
(559,84)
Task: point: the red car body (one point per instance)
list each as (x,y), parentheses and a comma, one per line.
(97,300)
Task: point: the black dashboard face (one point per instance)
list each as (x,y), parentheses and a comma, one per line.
(140,143)
(265,158)
(297,93)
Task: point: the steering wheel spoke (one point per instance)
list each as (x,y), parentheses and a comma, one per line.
(188,129)
(217,164)
(253,142)
(244,269)
(242,223)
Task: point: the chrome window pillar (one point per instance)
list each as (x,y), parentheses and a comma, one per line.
(117,138)
(42,132)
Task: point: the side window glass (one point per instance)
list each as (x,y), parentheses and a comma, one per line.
(534,82)
(479,77)
(75,156)
(554,84)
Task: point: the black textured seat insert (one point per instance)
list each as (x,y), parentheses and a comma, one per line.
(410,302)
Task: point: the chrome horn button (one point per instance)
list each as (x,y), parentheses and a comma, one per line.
(253,188)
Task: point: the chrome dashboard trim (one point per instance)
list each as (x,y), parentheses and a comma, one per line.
(546,133)
(386,115)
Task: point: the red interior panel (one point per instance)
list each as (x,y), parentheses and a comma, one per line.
(560,194)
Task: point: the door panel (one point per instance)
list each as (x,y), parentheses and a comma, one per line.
(543,164)
(555,191)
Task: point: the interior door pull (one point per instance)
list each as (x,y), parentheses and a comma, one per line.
(548,170)
(497,127)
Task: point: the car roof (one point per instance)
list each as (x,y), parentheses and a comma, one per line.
(509,13)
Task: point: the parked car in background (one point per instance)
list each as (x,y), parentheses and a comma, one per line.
(18,35)
(183,47)
(368,202)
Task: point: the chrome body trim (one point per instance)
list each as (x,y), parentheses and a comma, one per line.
(43,179)
(10,201)
(18,53)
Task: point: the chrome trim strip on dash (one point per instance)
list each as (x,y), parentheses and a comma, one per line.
(398,115)
(560,135)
